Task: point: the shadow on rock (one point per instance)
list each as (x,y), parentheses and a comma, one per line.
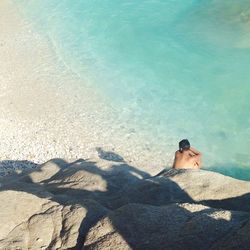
(117,206)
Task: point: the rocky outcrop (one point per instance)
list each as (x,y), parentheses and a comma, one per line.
(29,222)
(193,186)
(176,226)
(111,205)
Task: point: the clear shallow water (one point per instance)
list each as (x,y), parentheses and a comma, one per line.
(173,69)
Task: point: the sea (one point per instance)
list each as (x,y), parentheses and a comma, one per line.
(173,69)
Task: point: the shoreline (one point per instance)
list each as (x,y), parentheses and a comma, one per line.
(47,112)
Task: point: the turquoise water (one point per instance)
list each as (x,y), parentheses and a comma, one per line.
(172,68)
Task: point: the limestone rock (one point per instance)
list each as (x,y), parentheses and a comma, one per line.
(213,189)
(47,170)
(205,187)
(177,226)
(30,222)
(16,207)
(61,205)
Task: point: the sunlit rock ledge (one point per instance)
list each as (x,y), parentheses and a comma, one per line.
(107,204)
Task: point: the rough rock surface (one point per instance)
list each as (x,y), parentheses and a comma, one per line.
(177,226)
(110,205)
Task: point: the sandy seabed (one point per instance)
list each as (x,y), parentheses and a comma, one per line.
(47,112)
